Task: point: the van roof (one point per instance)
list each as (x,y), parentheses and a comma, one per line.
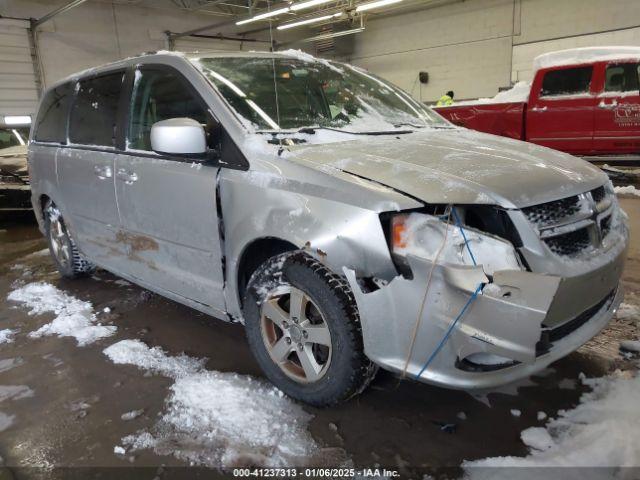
(297,54)
(192,57)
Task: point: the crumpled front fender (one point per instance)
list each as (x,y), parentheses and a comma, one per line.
(505,319)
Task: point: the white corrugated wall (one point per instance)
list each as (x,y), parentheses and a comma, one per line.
(18,86)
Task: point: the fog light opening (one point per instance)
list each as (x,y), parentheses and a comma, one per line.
(484,362)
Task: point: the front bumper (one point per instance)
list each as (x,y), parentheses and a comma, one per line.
(15,197)
(507,319)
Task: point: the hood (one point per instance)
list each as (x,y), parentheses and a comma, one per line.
(13,161)
(456,165)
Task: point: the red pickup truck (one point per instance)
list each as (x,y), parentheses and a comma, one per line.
(582,101)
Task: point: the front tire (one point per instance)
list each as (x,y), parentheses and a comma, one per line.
(303,328)
(68,259)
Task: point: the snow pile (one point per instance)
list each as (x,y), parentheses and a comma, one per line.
(5,422)
(537,438)
(132,415)
(576,56)
(9,363)
(6,335)
(74,318)
(628,190)
(519,93)
(602,431)
(134,352)
(14,392)
(218,419)
(632,346)
(628,311)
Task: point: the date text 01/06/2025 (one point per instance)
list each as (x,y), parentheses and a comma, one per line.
(315,473)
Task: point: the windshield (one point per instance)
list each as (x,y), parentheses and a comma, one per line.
(11,137)
(291,93)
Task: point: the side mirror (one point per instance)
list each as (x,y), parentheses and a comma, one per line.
(179,136)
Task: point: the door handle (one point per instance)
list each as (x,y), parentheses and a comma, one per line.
(103,171)
(608,106)
(126,176)
(539,109)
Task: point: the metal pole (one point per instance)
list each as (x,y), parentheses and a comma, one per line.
(58,11)
(169,41)
(202,29)
(35,58)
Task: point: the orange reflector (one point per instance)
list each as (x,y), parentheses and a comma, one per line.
(398,231)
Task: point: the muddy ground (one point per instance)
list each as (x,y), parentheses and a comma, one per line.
(73,418)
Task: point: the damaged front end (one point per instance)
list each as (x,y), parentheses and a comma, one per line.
(15,191)
(466,304)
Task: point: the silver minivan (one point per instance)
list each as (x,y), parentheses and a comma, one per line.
(347,226)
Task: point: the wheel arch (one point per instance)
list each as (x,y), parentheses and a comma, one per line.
(255,254)
(39,207)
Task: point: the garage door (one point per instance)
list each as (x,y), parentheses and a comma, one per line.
(18,86)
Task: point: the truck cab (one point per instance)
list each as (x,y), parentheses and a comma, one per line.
(586,108)
(583,101)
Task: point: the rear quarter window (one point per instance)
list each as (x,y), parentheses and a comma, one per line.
(94,114)
(51,123)
(624,77)
(568,81)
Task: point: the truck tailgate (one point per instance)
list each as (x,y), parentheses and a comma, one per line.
(504,119)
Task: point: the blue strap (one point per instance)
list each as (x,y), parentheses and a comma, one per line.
(466,306)
(466,242)
(451,327)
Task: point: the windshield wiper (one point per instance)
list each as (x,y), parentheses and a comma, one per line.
(312,130)
(408,124)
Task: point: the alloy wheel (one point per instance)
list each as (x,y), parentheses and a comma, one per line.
(59,239)
(296,334)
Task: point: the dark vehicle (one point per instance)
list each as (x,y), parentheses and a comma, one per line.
(15,193)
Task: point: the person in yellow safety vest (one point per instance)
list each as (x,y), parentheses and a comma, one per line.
(446,99)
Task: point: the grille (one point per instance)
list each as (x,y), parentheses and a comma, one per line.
(574,324)
(12,179)
(598,194)
(570,244)
(574,225)
(605,226)
(552,212)
(549,336)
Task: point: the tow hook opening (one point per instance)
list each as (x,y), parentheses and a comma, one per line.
(484,362)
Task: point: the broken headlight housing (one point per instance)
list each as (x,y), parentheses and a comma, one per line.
(434,237)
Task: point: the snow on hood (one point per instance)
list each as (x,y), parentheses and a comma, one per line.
(575,56)
(519,93)
(457,166)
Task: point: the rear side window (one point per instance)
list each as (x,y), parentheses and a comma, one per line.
(51,124)
(95,112)
(623,77)
(569,81)
(160,95)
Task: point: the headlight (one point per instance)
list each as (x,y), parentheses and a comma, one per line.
(426,236)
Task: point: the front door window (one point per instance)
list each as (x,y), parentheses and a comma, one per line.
(160,95)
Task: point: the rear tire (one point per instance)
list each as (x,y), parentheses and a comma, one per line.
(68,260)
(303,328)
